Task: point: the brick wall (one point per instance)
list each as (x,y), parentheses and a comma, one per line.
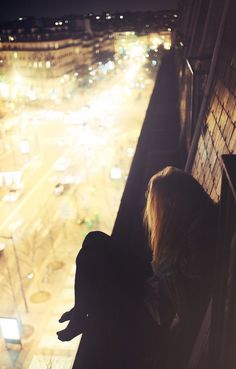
(218,131)
(218,135)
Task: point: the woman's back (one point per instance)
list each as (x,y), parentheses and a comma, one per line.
(182,223)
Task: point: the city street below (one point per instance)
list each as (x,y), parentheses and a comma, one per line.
(65,166)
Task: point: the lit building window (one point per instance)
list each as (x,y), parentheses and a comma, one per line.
(121,17)
(35,65)
(167,45)
(15,55)
(40,64)
(48,64)
(97,17)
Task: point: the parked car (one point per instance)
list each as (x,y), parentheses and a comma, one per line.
(67,179)
(58,189)
(61,164)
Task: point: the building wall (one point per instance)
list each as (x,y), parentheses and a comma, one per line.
(87,52)
(49,60)
(218,126)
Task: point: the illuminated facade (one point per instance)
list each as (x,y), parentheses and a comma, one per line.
(127,40)
(104,46)
(31,64)
(87,54)
(48,58)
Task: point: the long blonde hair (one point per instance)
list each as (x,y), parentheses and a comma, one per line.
(176,206)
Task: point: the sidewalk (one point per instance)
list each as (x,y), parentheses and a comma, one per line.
(40,347)
(51,293)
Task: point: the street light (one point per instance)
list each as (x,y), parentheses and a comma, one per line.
(18,269)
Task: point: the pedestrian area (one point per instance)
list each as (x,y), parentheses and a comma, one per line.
(46,362)
(41,348)
(50,352)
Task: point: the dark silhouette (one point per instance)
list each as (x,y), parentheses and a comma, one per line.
(182,222)
(152,325)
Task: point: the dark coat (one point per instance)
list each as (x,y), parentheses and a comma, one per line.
(153,329)
(120,332)
(183,303)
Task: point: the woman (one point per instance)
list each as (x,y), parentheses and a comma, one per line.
(181,220)
(118,331)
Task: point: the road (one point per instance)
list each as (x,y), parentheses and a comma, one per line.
(112,125)
(93,132)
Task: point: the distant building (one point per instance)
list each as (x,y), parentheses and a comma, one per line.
(35,54)
(104,46)
(35,61)
(56,53)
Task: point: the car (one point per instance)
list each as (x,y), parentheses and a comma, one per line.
(86,107)
(58,189)
(61,165)
(12,195)
(67,179)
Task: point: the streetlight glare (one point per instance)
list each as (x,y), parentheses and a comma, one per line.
(167,45)
(18,78)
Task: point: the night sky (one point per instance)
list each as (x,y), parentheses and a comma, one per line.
(12,9)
